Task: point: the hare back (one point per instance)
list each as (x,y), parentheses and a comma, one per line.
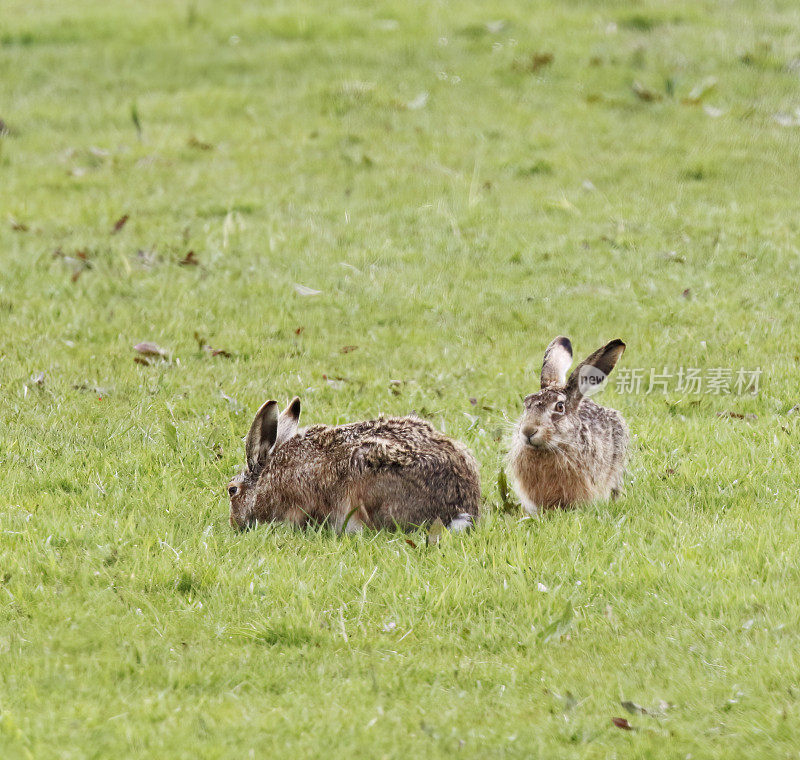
(384,473)
(412,496)
(409,431)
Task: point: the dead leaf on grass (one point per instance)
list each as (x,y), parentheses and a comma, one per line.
(189,260)
(88,388)
(506,501)
(713,111)
(435,532)
(203,346)
(645,93)
(633,708)
(79,262)
(120,223)
(737,415)
(17,226)
(347,349)
(533,62)
(147,259)
(194,142)
(699,91)
(623,724)
(304,290)
(147,348)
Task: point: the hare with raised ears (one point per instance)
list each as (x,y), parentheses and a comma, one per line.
(384,473)
(566,448)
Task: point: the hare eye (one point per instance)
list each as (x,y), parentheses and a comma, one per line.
(560,407)
(233,490)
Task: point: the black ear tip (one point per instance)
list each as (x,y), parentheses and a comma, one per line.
(563,340)
(266,405)
(617,343)
(294,407)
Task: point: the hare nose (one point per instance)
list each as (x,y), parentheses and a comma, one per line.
(529,432)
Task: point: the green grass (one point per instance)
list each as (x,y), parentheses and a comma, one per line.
(458,199)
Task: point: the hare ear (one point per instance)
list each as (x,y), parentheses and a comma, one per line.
(592,371)
(287,422)
(262,435)
(557,360)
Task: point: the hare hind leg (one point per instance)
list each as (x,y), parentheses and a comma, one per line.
(349,518)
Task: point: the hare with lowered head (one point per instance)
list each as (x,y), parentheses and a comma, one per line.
(384,473)
(566,448)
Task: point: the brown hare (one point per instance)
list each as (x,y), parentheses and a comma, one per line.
(385,473)
(566,448)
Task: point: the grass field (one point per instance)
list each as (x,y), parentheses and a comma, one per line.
(460,183)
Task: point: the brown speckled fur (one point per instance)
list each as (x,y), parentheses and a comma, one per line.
(578,455)
(384,473)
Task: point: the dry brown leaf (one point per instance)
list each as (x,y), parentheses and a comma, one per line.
(435,532)
(347,349)
(645,93)
(193,142)
(534,62)
(189,260)
(622,723)
(737,415)
(119,224)
(218,352)
(148,348)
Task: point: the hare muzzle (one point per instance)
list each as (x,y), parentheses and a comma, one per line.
(532,435)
